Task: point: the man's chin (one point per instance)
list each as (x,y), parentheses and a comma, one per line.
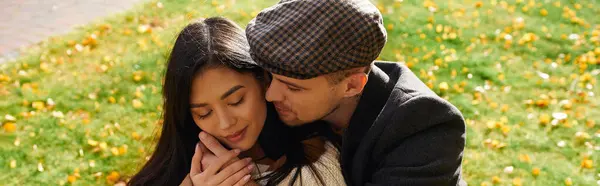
(293,123)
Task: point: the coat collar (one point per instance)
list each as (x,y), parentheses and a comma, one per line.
(374,97)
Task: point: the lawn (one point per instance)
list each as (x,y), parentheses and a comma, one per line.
(84,108)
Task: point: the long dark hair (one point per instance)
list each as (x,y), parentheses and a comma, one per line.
(210,43)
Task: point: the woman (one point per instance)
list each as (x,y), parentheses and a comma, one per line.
(212,85)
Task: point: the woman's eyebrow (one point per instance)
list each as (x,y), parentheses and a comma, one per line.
(194,105)
(231,91)
(228,93)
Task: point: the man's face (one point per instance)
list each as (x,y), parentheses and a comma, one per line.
(303,101)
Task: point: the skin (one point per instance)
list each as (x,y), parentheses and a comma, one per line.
(301,101)
(297,102)
(225,102)
(212,164)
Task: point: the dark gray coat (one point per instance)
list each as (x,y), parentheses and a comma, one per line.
(402,133)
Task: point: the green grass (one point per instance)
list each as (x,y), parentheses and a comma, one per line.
(95,88)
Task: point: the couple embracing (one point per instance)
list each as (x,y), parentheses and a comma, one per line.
(299,99)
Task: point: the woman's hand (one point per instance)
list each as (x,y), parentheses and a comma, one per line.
(218,173)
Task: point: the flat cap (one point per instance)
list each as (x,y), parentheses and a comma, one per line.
(304,39)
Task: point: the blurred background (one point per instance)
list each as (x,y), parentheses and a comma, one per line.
(80,83)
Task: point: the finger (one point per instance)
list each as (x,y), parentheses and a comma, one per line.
(243,181)
(203,148)
(212,144)
(216,166)
(234,172)
(196,161)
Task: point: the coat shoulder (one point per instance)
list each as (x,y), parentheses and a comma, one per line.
(420,115)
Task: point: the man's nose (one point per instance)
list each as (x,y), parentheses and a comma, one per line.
(274,92)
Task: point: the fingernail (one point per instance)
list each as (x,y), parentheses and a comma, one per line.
(248,159)
(246,178)
(250,167)
(197,146)
(237,151)
(202,135)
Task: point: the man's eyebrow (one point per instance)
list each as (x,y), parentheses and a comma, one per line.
(228,93)
(289,83)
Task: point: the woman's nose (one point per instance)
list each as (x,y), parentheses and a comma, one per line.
(226,120)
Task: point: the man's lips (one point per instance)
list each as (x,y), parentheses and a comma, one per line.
(281,108)
(237,136)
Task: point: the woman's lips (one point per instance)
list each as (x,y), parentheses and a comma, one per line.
(238,136)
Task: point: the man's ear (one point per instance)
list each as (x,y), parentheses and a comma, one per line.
(355,84)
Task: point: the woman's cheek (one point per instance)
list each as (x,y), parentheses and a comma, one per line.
(205,125)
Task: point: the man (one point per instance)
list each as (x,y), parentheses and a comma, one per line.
(321,55)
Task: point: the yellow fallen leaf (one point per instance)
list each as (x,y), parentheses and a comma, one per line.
(496,180)
(491,125)
(114,151)
(112,100)
(103,145)
(135,135)
(438,62)
(544,12)
(444,86)
(25,103)
(504,108)
(113,177)
(517,182)
(137,76)
(581,136)
(568,182)
(535,171)
(587,163)
(590,123)
(40,167)
(144,29)
(71,179)
(9,127)
(13,164)
(137,103)
(39,105)
(122,149)
(505,129)
(544,119)
(525,158)
(493,105)
(92,143)
(138,94)
(4,78)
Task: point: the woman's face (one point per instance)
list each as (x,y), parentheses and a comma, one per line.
(228,105)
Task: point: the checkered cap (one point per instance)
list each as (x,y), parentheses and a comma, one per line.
(306,38)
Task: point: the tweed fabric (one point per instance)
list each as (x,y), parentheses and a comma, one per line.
(306,38)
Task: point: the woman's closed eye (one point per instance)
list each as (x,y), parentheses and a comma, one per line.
(240,101)
(204,115)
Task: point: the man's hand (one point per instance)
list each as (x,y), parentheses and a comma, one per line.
(212,164)
(211,149)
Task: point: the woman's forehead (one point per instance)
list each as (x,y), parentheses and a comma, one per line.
(213,83)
